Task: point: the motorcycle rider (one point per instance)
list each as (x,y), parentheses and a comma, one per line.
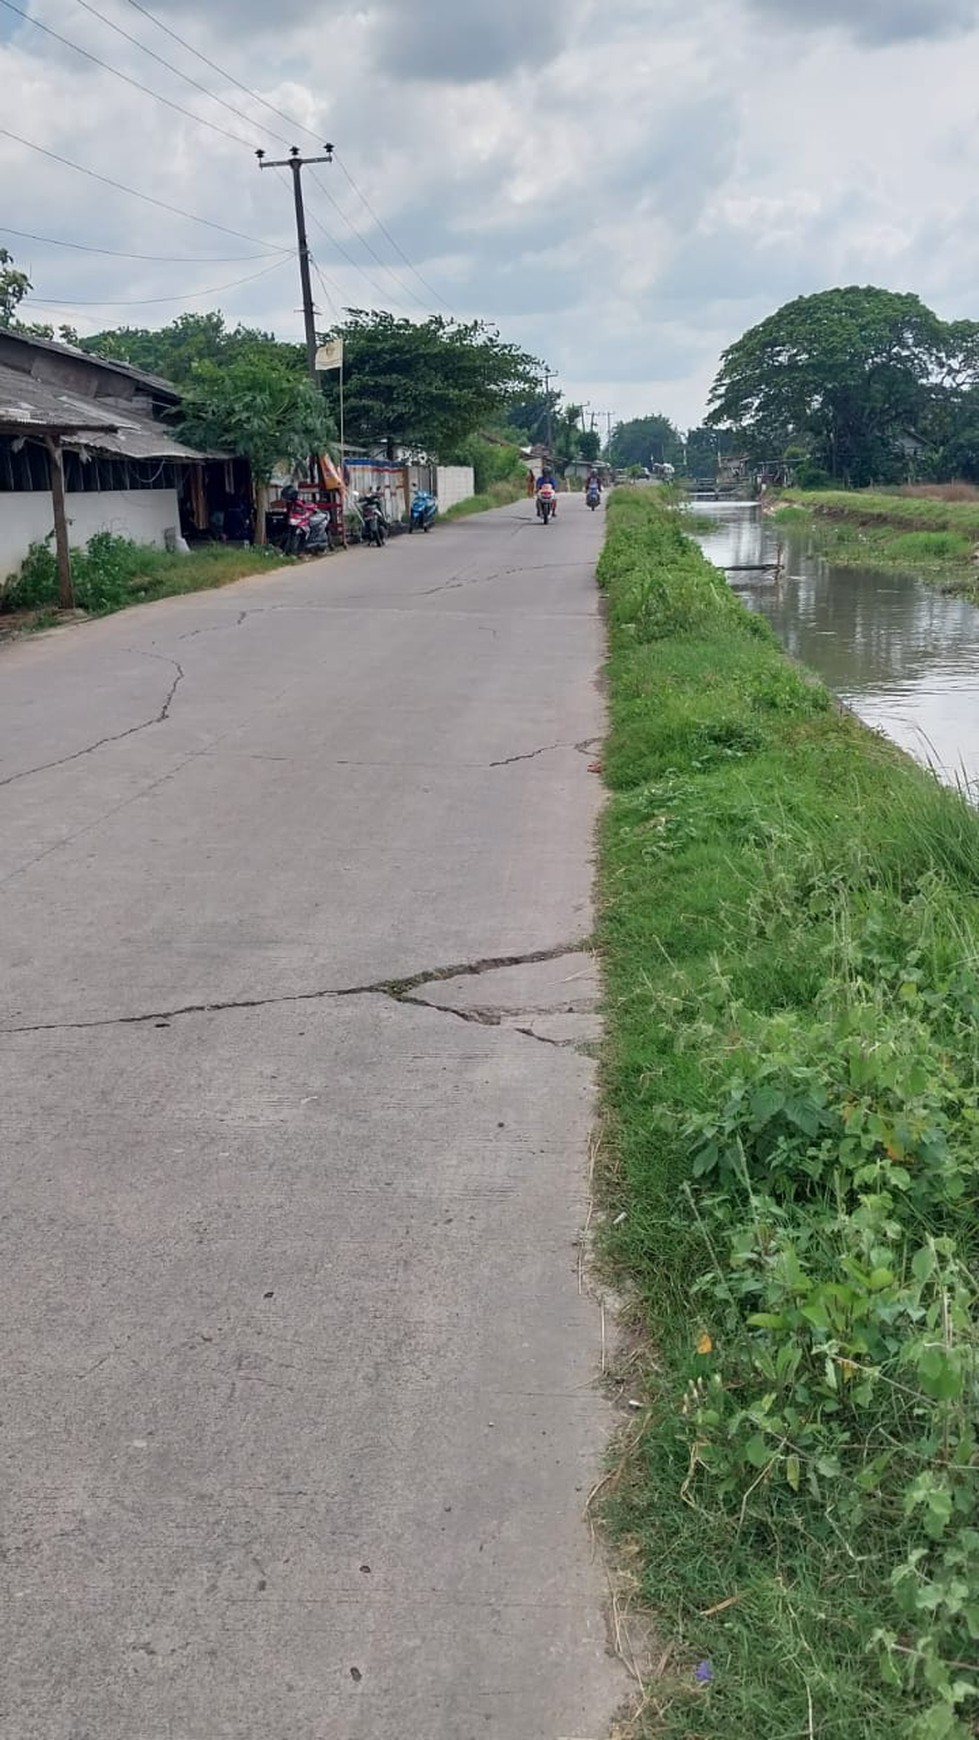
(547,476)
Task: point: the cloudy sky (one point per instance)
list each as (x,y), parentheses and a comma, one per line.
(623,186)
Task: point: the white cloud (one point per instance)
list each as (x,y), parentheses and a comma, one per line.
(623,187)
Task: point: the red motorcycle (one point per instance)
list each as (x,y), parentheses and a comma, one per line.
(546,502)
(307,527)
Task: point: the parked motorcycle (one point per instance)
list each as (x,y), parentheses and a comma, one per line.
(308,529)
(421,515)
(546,501)
(375,522)
(593,496)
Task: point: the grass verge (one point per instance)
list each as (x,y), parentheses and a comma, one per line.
(933,537)
(498,495)
(111,573)
(789,921)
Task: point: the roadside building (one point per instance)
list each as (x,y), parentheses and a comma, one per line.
(87,442)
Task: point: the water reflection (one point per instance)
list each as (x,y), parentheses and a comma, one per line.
(902,655)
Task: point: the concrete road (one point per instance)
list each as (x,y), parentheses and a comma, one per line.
(299,1413)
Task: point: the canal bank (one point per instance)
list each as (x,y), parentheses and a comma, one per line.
(930,533)
(901,654)
(789,924)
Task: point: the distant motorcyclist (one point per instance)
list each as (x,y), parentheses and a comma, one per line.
(547,477)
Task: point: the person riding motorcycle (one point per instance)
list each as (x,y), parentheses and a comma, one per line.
(547,476)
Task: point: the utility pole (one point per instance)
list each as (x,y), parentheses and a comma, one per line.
(550,411)
(297,164)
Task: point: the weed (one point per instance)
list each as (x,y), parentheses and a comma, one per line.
(790,928)
(111,573)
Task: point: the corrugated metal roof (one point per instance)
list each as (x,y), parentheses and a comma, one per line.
(139,438)
(52,345)
(36,406)
(29,404)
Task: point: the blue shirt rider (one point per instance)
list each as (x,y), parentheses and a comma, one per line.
(547,476)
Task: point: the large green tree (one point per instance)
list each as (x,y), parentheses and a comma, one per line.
(424,385)
(175,351)
(850,374)
(259,407)
(645,441)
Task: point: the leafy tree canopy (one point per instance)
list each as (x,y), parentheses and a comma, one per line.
(14,286)
(174,351)
(424,385)
(645,441)
(852,373)
(258,406)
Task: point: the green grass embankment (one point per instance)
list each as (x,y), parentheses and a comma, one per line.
(789,923)
(498,495)
(918,534)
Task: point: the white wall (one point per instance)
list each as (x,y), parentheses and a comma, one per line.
(26,517)
(454,483)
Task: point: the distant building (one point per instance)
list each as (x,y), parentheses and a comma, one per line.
(124,469)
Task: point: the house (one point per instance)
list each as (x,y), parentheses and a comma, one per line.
(95,433)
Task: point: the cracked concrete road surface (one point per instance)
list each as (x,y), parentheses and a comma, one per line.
(299,1404)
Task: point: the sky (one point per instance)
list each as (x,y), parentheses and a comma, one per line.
(622,187)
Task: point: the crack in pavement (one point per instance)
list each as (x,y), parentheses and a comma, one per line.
(398,990)
(530,754)
(217,627)
(158,718)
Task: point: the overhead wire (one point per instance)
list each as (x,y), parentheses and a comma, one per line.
(327,195)
(328,288)
(115,72)
(382,226)
(151,301)
(176,70)
(120,254)
(291,121)
(223,73)
(334,243)
(148,198)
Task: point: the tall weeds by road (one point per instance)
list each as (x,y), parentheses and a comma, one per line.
(790,930)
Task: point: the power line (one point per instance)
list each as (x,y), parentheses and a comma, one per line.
(355,264)
(291,121)
(147,91)
(405,290)
(152,301)
(396,245)
(327,285)
(224,74)
(117,254)
(176,70)
(148,198)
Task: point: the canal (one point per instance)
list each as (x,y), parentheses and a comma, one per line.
(902,655)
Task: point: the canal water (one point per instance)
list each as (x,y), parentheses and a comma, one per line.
(902,655)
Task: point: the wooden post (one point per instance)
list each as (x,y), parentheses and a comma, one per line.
(261,509)
(66,590)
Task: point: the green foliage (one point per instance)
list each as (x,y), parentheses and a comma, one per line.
(646,441)
(492,462)
(850,372)
(14,286)
(499,494)
(111,573)
(258,407)
(790,925)
(175,351)
(424,385)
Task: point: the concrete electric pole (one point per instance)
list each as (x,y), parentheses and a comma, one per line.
(297,164)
